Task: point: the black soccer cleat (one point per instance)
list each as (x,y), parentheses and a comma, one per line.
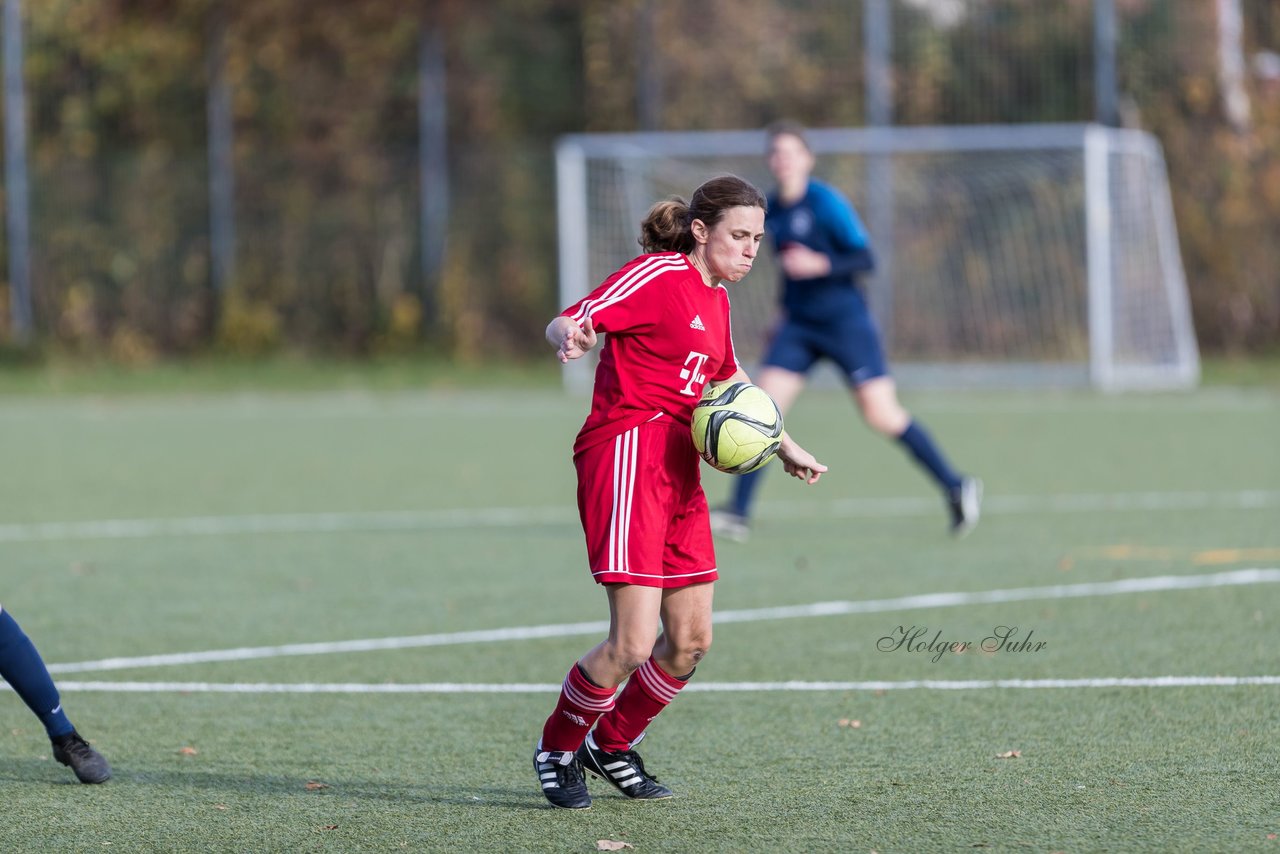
(560,775)
(965,504)
(625,770)
(73,751)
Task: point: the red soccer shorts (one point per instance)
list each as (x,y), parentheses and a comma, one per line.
(643,509)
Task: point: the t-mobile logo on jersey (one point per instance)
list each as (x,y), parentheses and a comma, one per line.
(694,375)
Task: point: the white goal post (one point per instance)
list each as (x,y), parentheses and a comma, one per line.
(1019,255)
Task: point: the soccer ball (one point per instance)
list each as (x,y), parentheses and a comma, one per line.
(736,427)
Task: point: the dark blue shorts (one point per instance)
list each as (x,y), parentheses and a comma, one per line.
(852,342)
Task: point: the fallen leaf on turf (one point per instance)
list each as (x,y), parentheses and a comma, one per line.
(611,845)
(313,785)
(189,751)
(329,827)
(1009,754)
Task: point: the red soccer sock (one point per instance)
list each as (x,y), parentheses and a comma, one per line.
(581,703)
(647,692)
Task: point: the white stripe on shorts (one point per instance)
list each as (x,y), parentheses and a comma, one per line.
(625,453)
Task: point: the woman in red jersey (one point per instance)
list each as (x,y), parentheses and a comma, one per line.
(639,491)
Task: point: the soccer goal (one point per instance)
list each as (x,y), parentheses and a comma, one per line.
(1021,255)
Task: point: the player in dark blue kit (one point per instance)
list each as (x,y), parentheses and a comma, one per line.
(24,670)
(822,247)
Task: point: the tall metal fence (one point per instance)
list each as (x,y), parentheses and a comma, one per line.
(342,240)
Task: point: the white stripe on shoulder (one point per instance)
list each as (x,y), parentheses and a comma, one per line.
(649,275)
(632,281)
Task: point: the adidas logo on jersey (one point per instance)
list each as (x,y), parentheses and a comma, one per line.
(696,323)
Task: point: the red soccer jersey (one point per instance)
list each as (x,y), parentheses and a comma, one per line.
(668,333)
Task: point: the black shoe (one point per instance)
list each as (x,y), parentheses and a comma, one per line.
(560,775)
(75,752)
(965,504)
(625,770)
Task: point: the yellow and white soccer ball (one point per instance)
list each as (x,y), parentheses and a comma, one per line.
(736,427)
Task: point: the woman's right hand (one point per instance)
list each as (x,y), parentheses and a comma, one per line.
(800,262)
(574,340)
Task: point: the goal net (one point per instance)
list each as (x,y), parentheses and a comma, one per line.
(1023,255)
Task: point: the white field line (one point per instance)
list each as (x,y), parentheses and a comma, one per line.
(336,405)
(351,404)
(708,687)
(817,609)
(284,523)
(510,517)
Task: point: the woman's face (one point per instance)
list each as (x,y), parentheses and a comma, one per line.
(730,246)
(789,160)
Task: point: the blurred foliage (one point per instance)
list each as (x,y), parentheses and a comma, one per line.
(1226,185)
(326,128)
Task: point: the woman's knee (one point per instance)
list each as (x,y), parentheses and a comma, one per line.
(883,413)
(691,646)
(627,655)
(891,423)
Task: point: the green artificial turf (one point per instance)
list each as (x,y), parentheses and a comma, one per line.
(137,525)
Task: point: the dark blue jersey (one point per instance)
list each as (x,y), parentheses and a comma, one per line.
(823,221)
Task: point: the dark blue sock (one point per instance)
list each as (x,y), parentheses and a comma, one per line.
(922,447)
(744,491)
(24,670)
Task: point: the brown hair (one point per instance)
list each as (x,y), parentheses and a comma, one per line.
(786,127)
(668,227)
